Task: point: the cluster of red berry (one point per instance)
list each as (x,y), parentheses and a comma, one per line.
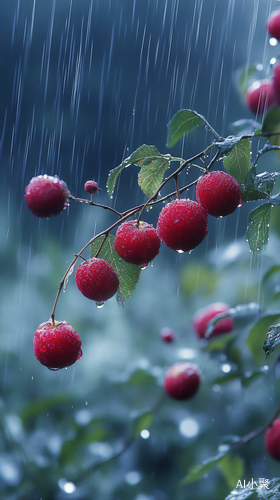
(263,94)
(182,225)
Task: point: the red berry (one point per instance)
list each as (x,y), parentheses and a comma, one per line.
(272,439)
(97,279)
(167,335)
(276,82)
(57,346)
(137,244)
(46,195)
(202,318)
(219,193)
(260,96)
(182,381)
(273,25)
(91,187)
(182,225)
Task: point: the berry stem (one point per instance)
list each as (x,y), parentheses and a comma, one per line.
(177,187)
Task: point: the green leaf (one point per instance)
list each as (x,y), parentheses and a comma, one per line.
(272,340)
(260,186)
(275,269)
(244,78)
(128,273)
(256,336)
(238,162)
(184,122)
(154,165)
(197,471)
(271,125)
(151,174)
(42,406)
(232,468)
(258,227)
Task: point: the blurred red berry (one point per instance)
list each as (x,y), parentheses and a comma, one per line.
(182,381)
(167,335)
(276,82)
(273,24)
(203,316)
(260,96)
(272,439)
(57,346)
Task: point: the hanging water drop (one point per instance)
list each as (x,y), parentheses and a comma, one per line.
(99,305)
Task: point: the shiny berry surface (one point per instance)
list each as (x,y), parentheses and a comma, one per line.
(91,187)
(182,381)
(273,24)
(272,439)
(203,316)
(57,346)
(182,225)
(260,96)
(219,193)
(97,279)
(137,244)
(46,195)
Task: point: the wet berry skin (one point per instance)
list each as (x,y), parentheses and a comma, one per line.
(91,187)
(272,439)
(219,193)
(97,279)
(273,25)
(137,244)
(260,96)
(182,381)
(46,195)
(57,346)
(203,316)
(182,225)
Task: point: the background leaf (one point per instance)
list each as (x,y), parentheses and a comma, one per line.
(197,471)
(238,162)
(184,122)
(244,77)
(128,273)
(232,468)
(258,227)
(257,333)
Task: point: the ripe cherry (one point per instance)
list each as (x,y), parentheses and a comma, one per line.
(272,439)
(219,193)
(137,243)
(57,346)
(97,279)
(276,82)
(182,225)
(260,96)
(273,24)
(46,195)
(167,335)
(203,316)
(182,381)
(91,187)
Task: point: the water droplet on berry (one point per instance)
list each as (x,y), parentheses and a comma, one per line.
(99,305)
(180,251)
(53,369)
(143,266)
